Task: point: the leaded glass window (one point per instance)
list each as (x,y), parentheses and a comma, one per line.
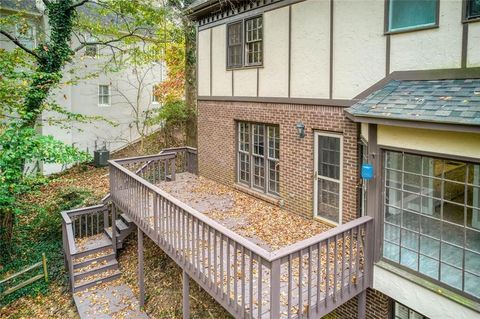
(234,45)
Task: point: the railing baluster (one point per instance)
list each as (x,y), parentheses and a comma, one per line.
(250,286)
(215,257)
(335,266)
(235,275)
(300,284)
(327,280)
(350,261)
(319,275)
(228,271)
(309,281)
(357,263)
(343,265)
(260,285)
(203,253)
(222,258)
(289,287)
(243,280)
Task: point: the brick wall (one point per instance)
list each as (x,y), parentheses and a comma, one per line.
(217,149)
(378,307)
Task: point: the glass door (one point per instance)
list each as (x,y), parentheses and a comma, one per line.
(328,177)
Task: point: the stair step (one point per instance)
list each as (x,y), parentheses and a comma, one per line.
(98,279)
(97,259)
(120,225)
(95,268)
(93,251)
(126,219)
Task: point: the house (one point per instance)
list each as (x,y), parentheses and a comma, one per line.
(295,98)
(112,96)
(295,95)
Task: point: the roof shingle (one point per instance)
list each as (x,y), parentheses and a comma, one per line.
(442,101)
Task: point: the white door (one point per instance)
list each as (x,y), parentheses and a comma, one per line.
(328,158)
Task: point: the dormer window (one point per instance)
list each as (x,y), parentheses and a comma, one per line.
(245,43)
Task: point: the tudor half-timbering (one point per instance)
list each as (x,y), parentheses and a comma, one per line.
(282,88)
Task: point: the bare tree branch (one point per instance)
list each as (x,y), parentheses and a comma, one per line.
(79,4)
(18,43)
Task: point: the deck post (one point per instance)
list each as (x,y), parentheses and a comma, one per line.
(362,304)
(141,275)
(275,289)
(114,228)
(186,295)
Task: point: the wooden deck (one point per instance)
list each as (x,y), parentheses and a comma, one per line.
(305,279)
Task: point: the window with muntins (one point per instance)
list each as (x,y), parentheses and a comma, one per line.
(411,14)
(104,95)
(253,41)
(473,9)
(258,156)
(234,49)
(402,312)
(329,179)
(245,43)
(432,218)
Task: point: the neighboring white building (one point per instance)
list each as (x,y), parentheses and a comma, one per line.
(115,96)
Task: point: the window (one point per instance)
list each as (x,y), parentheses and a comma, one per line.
(104,95)
(432,218)
(411,14)
(328,177)
(155,94)
(253,41)
(402,312)
(258,157)
(245,43)
(473,9)
(234,49)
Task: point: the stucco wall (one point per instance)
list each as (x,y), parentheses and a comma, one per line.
(473,53)
(420,299)
(273,76)
(443,142)
(310,60)
(359,46)
(431,49)
(360,51)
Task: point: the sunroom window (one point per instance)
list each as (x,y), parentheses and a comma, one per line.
(432,218)
(258,157)
(411,14)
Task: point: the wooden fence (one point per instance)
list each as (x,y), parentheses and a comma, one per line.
(44,275)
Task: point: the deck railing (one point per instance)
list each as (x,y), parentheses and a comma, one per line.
(307,279)
(79,223)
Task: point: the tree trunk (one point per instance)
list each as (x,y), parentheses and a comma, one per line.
(190,83)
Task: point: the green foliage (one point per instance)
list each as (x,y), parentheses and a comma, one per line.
(41,234)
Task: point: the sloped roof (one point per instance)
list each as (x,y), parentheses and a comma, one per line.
(439,101)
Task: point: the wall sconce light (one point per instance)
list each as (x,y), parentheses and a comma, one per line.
(300,129)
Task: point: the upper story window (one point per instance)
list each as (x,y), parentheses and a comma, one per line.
(406,15)
(432,218)
(245,43)
(258,157)
(155,99)
(103,95)
(473,9)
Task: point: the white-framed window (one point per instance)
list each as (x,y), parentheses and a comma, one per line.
(328,177)
(258,157)
(103,95)
(410,15)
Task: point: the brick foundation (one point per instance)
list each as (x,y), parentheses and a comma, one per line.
(378,307)
(217,147)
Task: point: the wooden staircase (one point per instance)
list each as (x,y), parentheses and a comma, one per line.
(97,263)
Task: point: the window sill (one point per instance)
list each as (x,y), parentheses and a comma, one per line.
(472,20)
(272,199)
(103,105)
(428,284)
(415,29)
(260,66)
